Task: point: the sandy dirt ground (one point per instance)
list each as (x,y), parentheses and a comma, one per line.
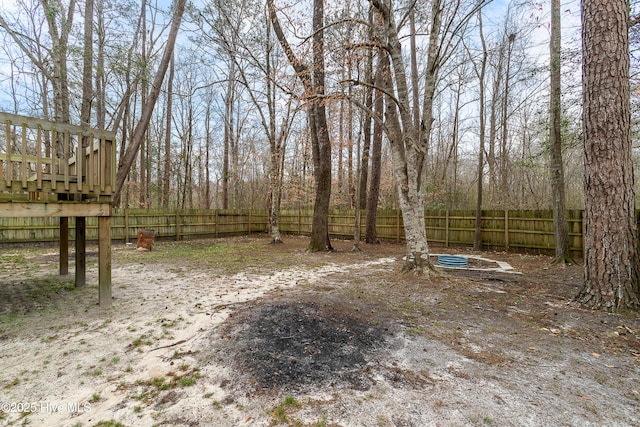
(239,332)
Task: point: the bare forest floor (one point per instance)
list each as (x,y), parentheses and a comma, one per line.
(239,332)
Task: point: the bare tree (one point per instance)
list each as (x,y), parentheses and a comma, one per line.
(312,79)
(371,235)
(556,168)
(166,176)
(477,240)
(147,110)
(409,143)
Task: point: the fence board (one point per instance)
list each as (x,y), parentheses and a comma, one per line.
(520,230)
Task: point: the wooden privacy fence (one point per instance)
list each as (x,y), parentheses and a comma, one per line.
(508,230)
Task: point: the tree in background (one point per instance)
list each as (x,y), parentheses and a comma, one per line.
(556,168)
(313,80)
(612,265)
(477,236)
(409,128)
(141,127)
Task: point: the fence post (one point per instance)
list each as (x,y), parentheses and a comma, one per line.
(177,225)
(216,224)
(249,220)
(446,228)
(299,222)
(506,229)
(126,225)
(583,230)
(398,225)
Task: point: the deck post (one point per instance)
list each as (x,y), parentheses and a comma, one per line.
(81,252)
(104,260)
(64,245)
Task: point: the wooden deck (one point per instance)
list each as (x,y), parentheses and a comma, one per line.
(60,170)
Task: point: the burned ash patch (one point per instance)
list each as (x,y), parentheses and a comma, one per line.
(291,344)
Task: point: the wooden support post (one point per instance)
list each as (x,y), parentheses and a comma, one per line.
(398,225)
(64,245)
(104,260)
(81,252)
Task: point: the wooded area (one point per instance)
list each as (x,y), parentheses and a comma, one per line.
(206,145)
(427,104)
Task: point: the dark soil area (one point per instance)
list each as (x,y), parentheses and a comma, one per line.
(300,343)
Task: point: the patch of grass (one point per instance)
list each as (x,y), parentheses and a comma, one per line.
(109,423)
(94,372)
(228,256)
(291,401)
(13,383)
(141,341)
(165,323)
(186,381)
(147,391)
(279,413)
(9,262)
(9,318)
(95,397)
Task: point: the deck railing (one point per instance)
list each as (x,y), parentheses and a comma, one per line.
(42,156)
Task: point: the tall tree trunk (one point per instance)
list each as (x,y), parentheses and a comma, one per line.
(147,109)
(351,188)
(167,137)
(229,104)
(611,268)
(368,102)
(410,144)
(100,95)
(313,81)
(504,147)
(143,98)
(87,66)
(477,240)
(556,168)
(356,207)
(59,49)
(415,89)
(341,144)
(493,127)
(371,235)
(277,144)
(207,172)
(321,148)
